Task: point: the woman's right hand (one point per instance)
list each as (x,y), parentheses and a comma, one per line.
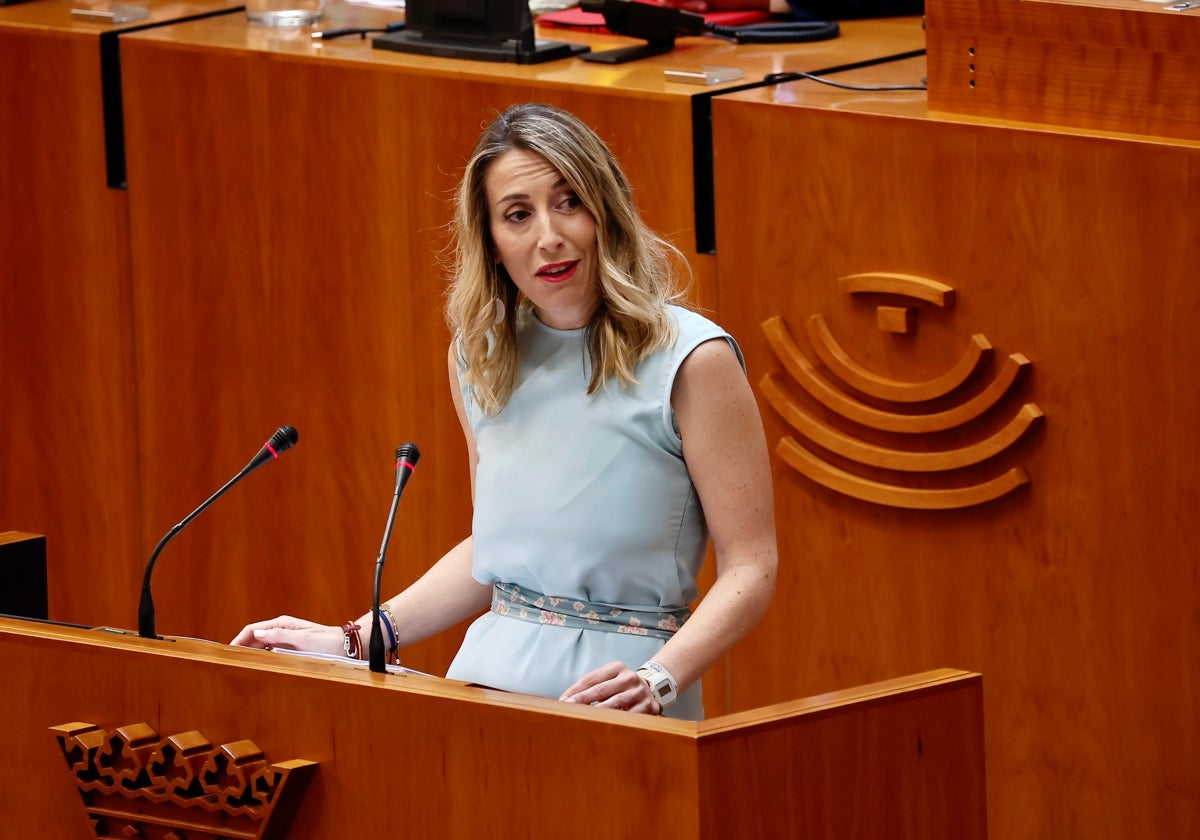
(292,634)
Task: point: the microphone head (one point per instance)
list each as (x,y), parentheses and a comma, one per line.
(407,453)
(283,440)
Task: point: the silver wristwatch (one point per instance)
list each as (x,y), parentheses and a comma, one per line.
(660,682)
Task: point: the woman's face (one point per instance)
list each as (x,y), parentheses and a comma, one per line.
(545,238)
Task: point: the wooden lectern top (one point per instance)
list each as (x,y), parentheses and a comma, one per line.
(434,757)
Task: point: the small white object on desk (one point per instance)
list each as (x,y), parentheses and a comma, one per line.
(709,74)
(111,13)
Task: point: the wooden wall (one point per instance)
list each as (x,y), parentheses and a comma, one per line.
(1075,595)
(1113,65)
(68,416)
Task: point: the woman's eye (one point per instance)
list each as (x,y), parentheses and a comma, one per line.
(516,216)
(571,202)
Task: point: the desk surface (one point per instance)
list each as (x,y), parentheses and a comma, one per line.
(864,40)
(55,15)
(906,72)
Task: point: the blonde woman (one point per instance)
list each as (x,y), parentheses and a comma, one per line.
(612,433)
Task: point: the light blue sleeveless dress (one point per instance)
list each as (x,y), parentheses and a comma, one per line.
(583,505)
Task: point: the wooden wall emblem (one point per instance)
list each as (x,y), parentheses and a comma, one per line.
(137,785)
(861,402)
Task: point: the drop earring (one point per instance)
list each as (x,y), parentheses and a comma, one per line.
(500,311)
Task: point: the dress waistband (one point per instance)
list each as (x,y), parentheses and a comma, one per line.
(510,601)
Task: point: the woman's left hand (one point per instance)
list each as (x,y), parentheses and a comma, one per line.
(613,686)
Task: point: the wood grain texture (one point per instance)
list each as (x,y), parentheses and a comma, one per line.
(434,758)
(1115,65)
(134,782)
(812,466)
(1076,596)
(68,440)
(895,319)
(843,366)
(855,768)
(806,374)
(900,284)
(53,19)
(855,449)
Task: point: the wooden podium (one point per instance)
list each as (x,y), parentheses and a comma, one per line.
(1105,65)
(414,756)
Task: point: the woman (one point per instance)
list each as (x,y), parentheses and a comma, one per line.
(610,432)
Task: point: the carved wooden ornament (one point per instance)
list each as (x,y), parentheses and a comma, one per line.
(137,785)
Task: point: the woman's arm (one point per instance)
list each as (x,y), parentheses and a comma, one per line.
(726,454)
(445,595)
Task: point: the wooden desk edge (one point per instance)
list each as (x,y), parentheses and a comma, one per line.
(249,658)
(7,537)
(763,715)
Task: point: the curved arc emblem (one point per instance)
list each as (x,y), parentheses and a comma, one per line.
(836,387)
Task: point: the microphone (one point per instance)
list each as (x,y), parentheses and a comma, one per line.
(406,461)
(283,440)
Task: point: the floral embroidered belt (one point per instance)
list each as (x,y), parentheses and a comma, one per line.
(511,601)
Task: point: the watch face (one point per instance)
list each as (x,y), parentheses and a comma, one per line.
(659,685)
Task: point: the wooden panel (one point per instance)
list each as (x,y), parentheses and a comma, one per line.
(419,756)
(855,767)
(67,418)
(1116,65)
(287,282)
(1075,596)
(53,18)
(433,758)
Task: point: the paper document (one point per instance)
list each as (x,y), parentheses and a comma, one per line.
(360,663)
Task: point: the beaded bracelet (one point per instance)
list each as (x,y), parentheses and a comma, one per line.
(393,631)
(351,641)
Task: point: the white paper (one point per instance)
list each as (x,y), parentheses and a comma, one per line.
(357,663)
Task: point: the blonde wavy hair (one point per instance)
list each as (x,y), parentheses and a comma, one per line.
(639,270)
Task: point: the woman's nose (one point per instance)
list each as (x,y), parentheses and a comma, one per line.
(549,235)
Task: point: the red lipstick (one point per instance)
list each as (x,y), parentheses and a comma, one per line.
(558,272)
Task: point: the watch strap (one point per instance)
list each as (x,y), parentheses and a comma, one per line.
(660,682)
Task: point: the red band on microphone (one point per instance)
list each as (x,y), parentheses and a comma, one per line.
(274,454)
